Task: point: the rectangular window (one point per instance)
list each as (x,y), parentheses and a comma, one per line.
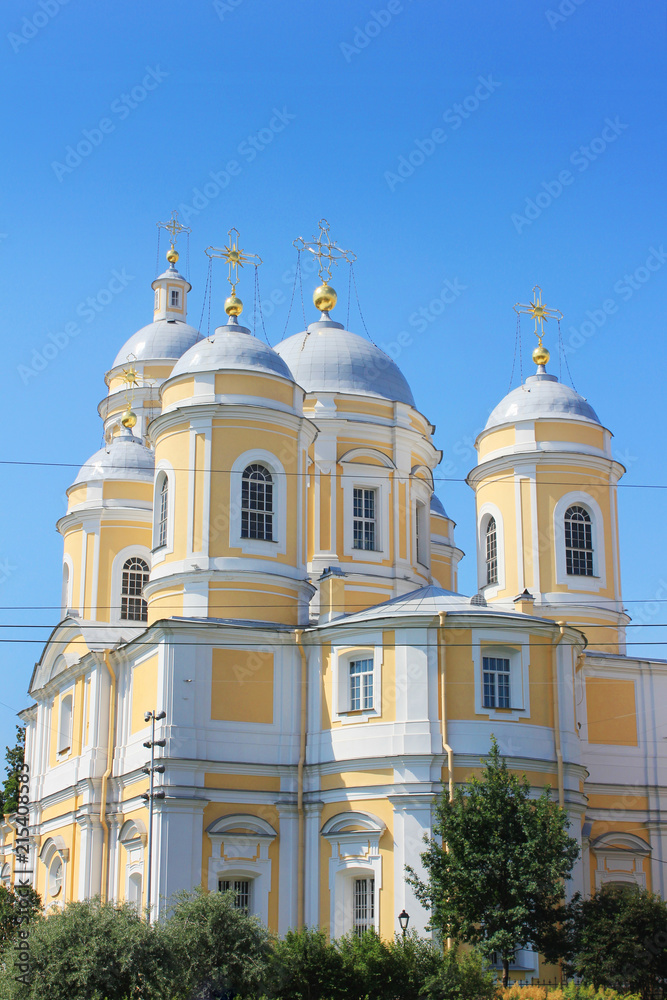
(241,889)
(496,682)
(364,905)
(175,299)
(361,685)
(364,519)
(420,532)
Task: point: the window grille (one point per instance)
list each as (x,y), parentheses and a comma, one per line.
(175,298)
(241,890)
(257,503)
(496,682)
(133,607)
(163,519)
(361,684)
(364,519)
(364,905)
(578,542)
(491,551)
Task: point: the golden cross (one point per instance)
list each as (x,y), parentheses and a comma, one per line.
(132,379)
(234,256)
(326,251)
(173,227)
(540,312)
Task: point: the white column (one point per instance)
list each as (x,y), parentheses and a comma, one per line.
(313,811)
(412,820)
(178,830)
(288,846)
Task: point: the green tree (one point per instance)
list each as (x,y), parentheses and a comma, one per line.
(14,757)
(17,909)
(499,881)
(89,951)
(217,949)
(305,966)
(619,940)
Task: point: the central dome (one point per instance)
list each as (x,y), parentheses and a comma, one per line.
(162,339)
(328,358)
(231,347)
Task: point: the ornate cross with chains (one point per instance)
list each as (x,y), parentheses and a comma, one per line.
(540,312)
(235,257)
(327,252)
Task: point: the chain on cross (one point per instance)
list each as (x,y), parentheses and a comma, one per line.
(325,250)
(234,256)
(540,312)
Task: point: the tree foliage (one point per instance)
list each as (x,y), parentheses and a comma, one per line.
(17,909)
(618,939)
(498,882)
(14,757)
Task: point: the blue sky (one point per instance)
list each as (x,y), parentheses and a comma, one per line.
(491,146)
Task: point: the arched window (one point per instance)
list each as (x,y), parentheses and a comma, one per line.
(491,551)
(65,724)
(133,607)
(56,873)
(6,876)
(257,503)
(65,600)
(578,542)
(163,512)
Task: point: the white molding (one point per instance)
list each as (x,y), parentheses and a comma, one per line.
(341,656)
(485,513)
(599,579)
(121,557)
(369,477)
(502,642)
(257,546)
(236,855)
(354,854)
(163,468)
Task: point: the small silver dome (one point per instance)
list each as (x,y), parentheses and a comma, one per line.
(161,339)
(328,358)
(232,347)
(437,507)
(541,397)
(125,458)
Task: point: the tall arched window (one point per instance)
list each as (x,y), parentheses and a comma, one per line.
(133,607)
(163,512)
(578,542)
(257,503)
(491,551)
(65,724)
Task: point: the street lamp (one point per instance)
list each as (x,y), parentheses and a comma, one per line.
(404,920)
(150,796)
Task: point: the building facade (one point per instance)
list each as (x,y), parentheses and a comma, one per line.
(258,553)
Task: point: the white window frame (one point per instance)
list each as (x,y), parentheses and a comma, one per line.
(486,512)
(54,850)
(174,298)
(65,739)
(181,298)
(128,597)
(366,477)
(620,859)
(355,853)
(156,306)
(158,553)
(6,875)
(133,837)
(599,579)
(67,586)
(341,657)
(243,855)
(121,557)
(509,645)
(259,546)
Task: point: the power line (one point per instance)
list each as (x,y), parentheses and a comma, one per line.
(290,628)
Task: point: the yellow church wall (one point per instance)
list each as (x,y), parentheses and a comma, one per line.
(242,685)
(614,801)
(355,779)
(234,383)
(133,789)
(611,711)
(260,601)
(389,692)
(541,683)
(327,686)
(402,522)
(603,637)
(459,672)
(384,811)
(144,691)
(269,813)
(112,539)
(72,547)
(76,495)
(157,371)
(198,500)
(120,489)
(564,430)
(89,563)
(504,438)
(165,603)
(177,391)
(250,782)
(69,834)
(63,808)
(346,444)
(527,531)
(499,489)
(360,405)
(174,446)
(359,600)
(442,570)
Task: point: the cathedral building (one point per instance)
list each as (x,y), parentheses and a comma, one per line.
(258,576)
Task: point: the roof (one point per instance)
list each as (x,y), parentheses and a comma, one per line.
(232,347)
(328,358)
(427,601)
(437,506)
(164,338)
(124,458)
(542,396)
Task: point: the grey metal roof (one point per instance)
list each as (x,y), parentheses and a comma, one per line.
(541,396)
(232,347)
(124,458)
(424,601)
(437,507)
(161,339)
(328,358)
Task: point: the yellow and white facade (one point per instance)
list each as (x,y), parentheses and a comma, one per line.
(261,556)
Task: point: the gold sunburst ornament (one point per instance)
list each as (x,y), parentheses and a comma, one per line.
(328,254)
(541,313)
(174,228)
(235,257)
(131,379)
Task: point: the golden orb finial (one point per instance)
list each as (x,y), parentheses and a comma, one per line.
(172,255)
(128,419)
(233,305)
(541,355)
(325,298)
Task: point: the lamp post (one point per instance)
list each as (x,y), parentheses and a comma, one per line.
(150,796)
(404,920)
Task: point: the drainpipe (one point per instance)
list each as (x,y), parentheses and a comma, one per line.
(301,860)
(442,664)
(554,679)
(105,776)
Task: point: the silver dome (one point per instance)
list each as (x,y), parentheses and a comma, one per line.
(125,458)
(541,397)
(232,347)
(161,339)
(328,358)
